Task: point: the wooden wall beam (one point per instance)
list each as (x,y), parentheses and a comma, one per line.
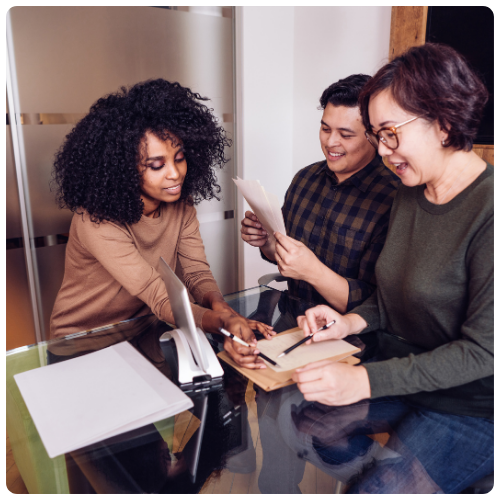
(408,26)
(485,151)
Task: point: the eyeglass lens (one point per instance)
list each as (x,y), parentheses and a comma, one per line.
(387,136)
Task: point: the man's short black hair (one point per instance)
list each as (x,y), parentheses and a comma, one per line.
(345,92)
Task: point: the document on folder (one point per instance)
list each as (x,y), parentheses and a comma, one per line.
(274,377)
(266,206)
(304,354)
(85,400)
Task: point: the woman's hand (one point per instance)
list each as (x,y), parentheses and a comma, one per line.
(319,316)
(216,302)
(220,314)
(243,356)
(294,259)
(332,383)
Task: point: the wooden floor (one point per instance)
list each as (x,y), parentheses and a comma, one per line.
(314,480)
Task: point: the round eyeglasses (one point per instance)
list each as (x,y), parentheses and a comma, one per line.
(387,135)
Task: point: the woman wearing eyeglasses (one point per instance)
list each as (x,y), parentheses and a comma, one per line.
(433,308)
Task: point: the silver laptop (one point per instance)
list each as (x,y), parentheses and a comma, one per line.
(183,315)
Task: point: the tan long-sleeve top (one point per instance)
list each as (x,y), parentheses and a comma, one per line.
(111,269)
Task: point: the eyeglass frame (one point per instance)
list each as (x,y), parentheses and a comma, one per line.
(392,129)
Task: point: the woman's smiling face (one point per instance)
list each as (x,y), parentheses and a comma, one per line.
(163,171)
(418,156)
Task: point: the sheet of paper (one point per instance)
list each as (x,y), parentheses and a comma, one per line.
(266,206)
(275,205)
(84,400)
(303,354)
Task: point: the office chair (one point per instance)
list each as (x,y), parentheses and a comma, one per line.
(267,278)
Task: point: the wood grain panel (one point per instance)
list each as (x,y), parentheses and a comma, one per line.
(485,151)
(408,26)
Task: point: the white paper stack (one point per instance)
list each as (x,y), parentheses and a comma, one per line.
(266,206)
(84,400)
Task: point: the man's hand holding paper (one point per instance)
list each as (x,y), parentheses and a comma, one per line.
(252,231)
(295,260)
(266,206)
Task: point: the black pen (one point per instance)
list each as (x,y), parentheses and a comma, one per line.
(305,339)
(237,339)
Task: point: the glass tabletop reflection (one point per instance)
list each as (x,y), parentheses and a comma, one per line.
(237,438)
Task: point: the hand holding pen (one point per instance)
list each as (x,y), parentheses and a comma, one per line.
(244,356)
(306,338)
(345,324)
(242,342)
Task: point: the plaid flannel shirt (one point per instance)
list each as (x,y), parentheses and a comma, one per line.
(345,225)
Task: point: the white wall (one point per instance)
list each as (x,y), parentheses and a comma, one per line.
(331,43)
(264,104)
(285,58)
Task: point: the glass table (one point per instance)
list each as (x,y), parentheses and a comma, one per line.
(236,439)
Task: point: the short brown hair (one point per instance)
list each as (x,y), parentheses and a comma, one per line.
(433,81)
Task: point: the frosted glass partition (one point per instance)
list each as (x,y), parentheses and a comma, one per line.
(68,57)
(19,315)
(41,143)
(79,54)
(50,260)
(13,222)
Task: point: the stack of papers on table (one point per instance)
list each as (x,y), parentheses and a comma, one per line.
(266,206)
(84,400)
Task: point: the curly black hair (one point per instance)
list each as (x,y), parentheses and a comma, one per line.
(96,167)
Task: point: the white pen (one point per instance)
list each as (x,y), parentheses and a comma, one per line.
(237,339)
(234,337)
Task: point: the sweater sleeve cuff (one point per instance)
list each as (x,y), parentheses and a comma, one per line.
(369,312)
(381,383)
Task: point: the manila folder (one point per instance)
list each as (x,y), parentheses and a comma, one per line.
(270,379)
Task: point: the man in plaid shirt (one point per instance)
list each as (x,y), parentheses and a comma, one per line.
(336,211)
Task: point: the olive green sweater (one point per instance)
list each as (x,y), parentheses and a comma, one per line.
(433,307)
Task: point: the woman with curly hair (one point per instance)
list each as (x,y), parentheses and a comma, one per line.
(131,171)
